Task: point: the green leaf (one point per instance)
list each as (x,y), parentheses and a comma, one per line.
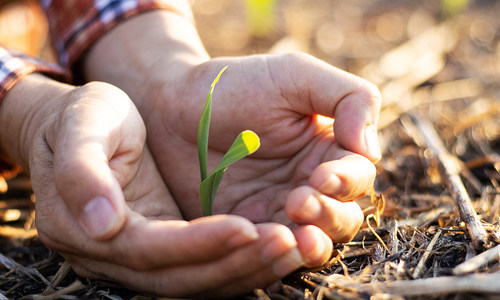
(245,144)
(204,128)
(208,188)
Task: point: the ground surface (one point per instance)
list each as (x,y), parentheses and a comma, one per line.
(433,64)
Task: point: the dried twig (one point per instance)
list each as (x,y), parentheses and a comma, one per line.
(426,255)
(474,283)
(60,275)
(477,261)
(75,286)
(428,135)
(261,295)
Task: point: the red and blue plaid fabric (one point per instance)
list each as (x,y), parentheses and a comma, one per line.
(13,65)
(77,24)
(74,26)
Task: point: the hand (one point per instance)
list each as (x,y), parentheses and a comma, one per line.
(305,174)
(102,204)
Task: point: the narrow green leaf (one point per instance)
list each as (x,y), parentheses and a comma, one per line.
(208,188)
(204,128)
(245,144)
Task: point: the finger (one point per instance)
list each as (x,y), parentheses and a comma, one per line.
(346,176)
(339,220)
(352,101)
(316,247)
(262,278)
(144,244)
(87,140)
(258,264)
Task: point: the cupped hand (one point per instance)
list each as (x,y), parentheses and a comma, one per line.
(317,126)
(102,203)
(308,168)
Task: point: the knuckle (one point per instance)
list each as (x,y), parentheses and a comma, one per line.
(297,56)
(298,60)
(102,87)
(372,92)
(104,96)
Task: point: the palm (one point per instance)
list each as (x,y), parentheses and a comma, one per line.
(293,140)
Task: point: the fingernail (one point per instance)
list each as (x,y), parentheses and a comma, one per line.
(243,237)
(331,185)
(371,142)
(288,263)
(310,209)
(98,217)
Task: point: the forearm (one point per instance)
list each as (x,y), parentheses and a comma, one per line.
(144,52)
(27,104)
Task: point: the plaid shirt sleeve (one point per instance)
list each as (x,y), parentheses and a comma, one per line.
(76,24)
(14,65)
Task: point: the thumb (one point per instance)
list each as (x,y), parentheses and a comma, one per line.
(90,191)
(353,102)
(87,138)
(356,118)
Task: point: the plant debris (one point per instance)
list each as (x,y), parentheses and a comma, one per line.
(434,65)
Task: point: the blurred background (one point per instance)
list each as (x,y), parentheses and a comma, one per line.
(399,45)
(433,60)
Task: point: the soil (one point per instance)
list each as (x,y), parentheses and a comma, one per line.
(435,63)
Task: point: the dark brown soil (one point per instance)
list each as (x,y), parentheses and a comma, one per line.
(431,64)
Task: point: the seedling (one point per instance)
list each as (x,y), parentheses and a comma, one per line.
(246,143)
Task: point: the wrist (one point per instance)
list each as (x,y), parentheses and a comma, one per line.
(23,111)
(146,53)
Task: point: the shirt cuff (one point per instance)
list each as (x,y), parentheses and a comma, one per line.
(76,25)
(14,65)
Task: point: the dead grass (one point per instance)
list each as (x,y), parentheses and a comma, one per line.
(429,69)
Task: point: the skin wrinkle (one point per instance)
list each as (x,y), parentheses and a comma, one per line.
(190,139)
(26,136)
(261,183)
(259,202)
(277,206)
(303,169)
(271,76)
(131,156)
(49,241)
(369,93)
(298,59)
(298,137)
(306,128)
(286,176)
(138,257)
(288,95)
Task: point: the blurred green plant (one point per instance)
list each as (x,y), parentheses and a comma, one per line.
(260,16)
(246,143)
(451,8)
